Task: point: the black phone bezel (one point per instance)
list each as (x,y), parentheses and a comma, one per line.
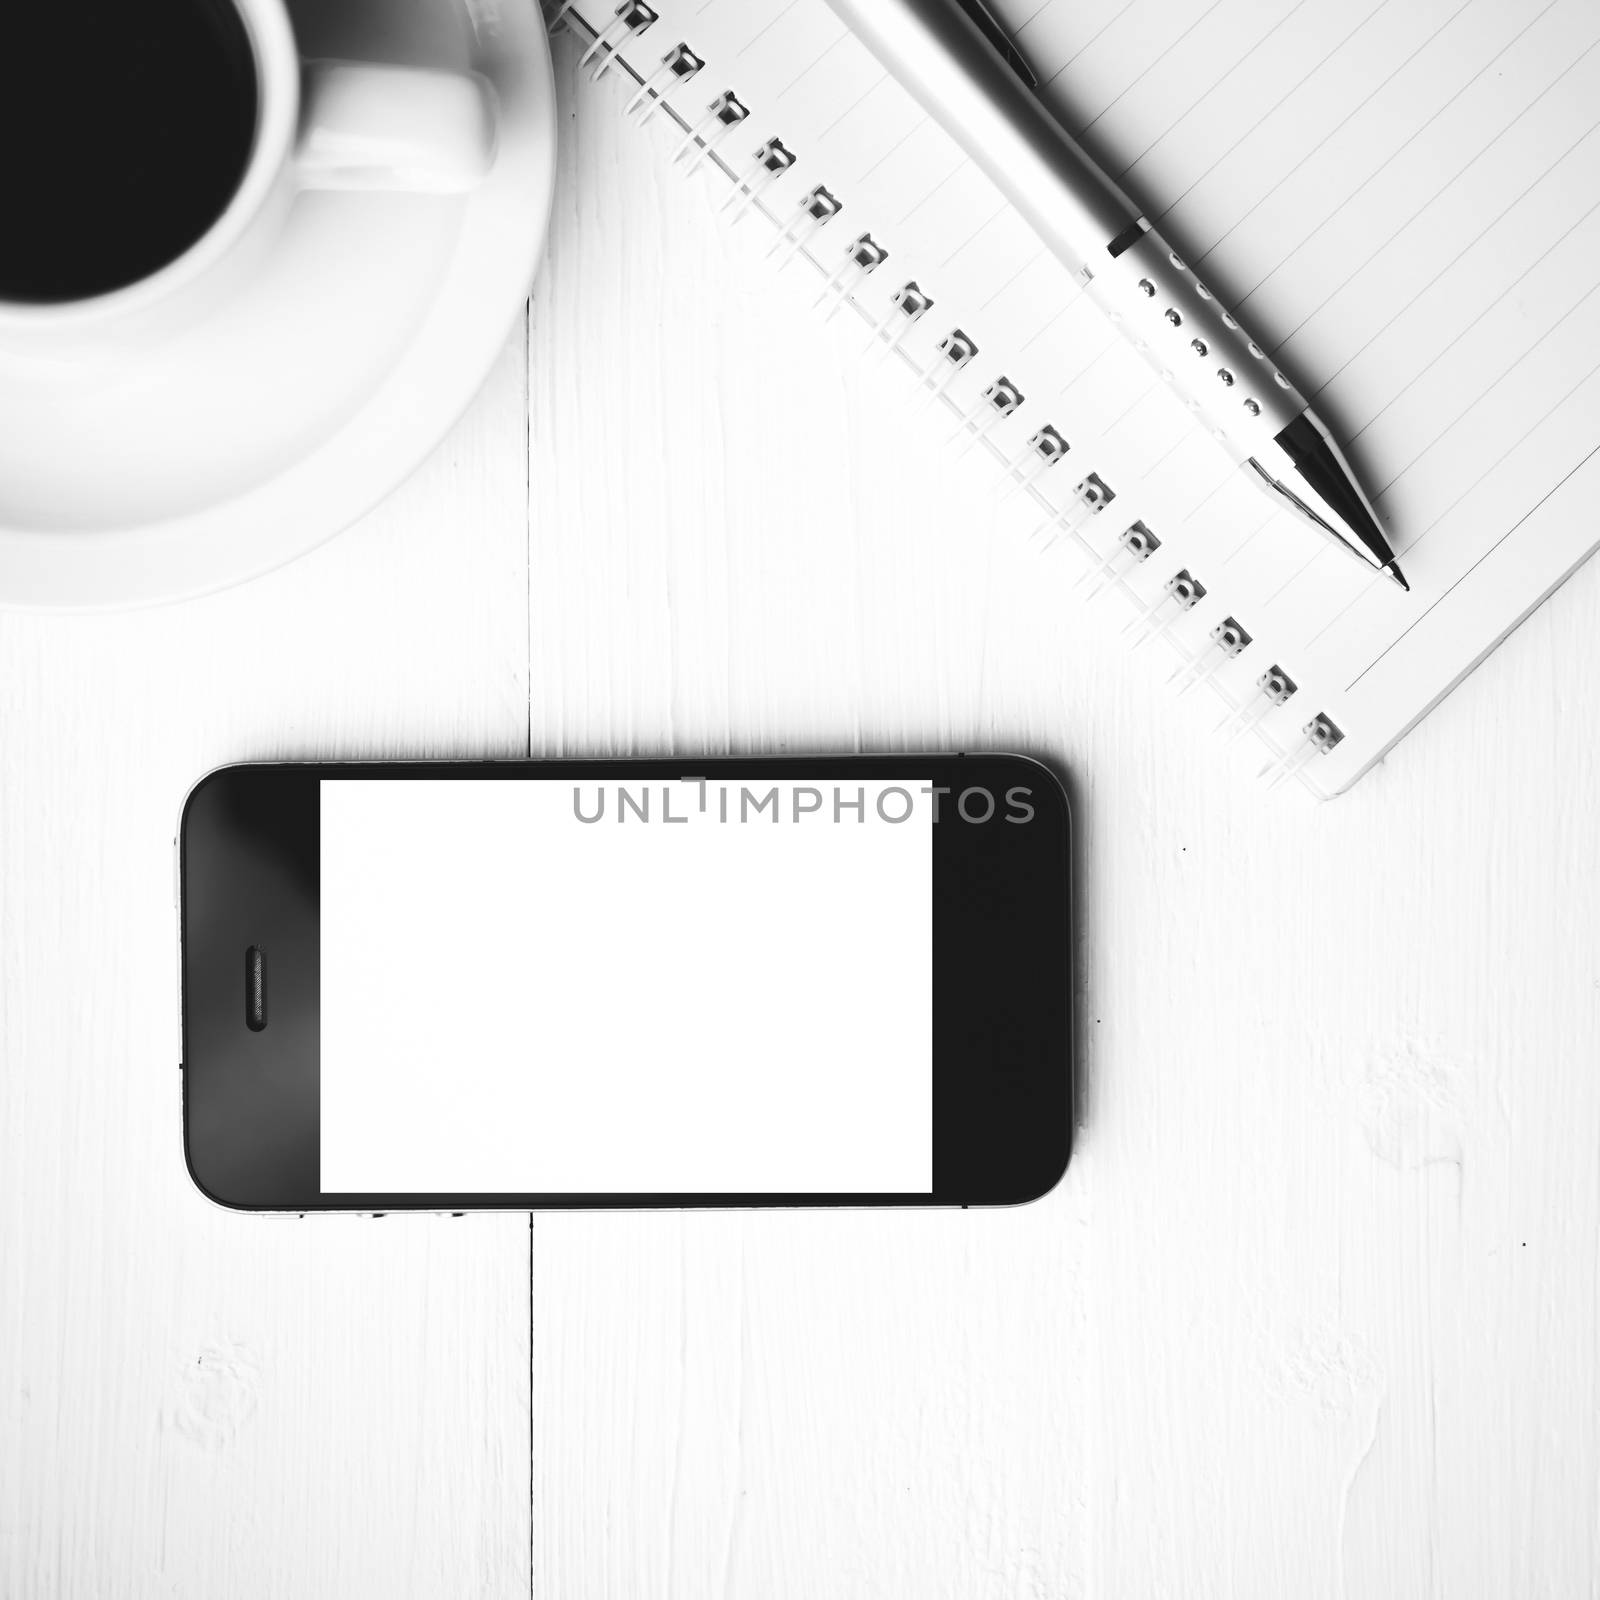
(249,866)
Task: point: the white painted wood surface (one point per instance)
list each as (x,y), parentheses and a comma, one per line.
(1313,1312)
(194,1402)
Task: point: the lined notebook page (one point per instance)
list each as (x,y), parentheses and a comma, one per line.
(1403,196)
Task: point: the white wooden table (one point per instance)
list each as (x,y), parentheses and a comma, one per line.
(1314,1312)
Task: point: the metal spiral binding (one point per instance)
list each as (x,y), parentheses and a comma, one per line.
(1273,688)
(863,257)
(1182,592)
(999,400)
(701,137)
(631,17)
(723,114)
(678,65)
(772,160)
(1046,447)
(1108,569)
(1135,544)
(908,305)
(1202,663)
(815,211)
(1228,639)
(952,354)
(1090,496)
(1320,735)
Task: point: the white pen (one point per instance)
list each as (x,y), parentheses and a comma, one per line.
(951,61)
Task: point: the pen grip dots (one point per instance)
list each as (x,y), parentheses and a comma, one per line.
(1195,343)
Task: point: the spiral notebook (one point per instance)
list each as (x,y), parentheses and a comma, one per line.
(1404,195)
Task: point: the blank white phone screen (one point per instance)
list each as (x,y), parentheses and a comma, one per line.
(550,987)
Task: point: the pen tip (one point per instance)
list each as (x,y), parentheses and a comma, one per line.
(1393,569)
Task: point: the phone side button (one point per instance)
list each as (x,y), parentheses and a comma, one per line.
(255,988)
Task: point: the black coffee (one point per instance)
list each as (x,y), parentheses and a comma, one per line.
(125,126)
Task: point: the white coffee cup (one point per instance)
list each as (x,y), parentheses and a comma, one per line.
(319,125)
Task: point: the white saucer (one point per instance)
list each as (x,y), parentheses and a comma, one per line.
(310,395)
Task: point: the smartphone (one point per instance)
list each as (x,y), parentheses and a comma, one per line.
(669,983)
